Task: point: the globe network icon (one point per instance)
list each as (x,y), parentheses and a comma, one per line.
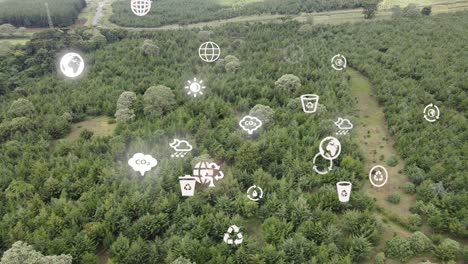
(140,7)
(209,51)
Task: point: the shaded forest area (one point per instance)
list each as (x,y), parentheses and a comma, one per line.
(182,12)
(33,13)
(77,197)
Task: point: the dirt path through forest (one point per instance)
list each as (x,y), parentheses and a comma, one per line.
(327,17)
(375,142)
(376,145)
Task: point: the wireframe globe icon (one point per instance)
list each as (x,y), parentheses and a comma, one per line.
(72,65)
(140,7)
(209,51)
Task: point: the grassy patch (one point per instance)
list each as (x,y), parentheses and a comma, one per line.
(100,126)
(14,41)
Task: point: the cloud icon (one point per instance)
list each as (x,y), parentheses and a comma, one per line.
(142,163)
(250,123)
(344,124)
(181,145)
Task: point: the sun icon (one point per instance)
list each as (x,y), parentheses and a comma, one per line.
(195,87)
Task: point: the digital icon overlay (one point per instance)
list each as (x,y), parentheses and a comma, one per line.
(250,124)
(255,193)
(140,7)
(378,176)
(344,190)
(195,87)
(339,62)
(344,126)
(187,185)
(72,65)
(209,51)
(233,231)
(309,103)
(142,163)
(204,173)
(293,54)
(181,148)
(431,113)
(329,149)
(207,172)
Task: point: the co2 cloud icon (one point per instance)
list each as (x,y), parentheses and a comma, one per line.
(250,123)
(142,163)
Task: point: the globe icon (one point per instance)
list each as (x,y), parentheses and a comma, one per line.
(209,51)
(207,173)
(72,65)
(140,7)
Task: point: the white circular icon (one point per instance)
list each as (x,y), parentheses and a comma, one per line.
(293,54)
(195,87)
(431,113)
(255,193)
(209,51)
(338,62)
(72,65)
(140,7)
(378,176)
(316,168)
(332,149)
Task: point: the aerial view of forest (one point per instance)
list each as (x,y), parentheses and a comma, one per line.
(127,140)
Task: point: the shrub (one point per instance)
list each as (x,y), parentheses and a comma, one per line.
(262,112)
(392,161)
(394,198)
(288,83)
(21,107)
(414,220)
(419,242)
(86,134)
(408,188)
(380,258)
(126,100)
(399,249)
(447,250)
(425,11)
(158,101)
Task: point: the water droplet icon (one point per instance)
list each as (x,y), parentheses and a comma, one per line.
(254,193)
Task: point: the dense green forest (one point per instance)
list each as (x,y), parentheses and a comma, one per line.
(33,13)
(80,197)
(182,12)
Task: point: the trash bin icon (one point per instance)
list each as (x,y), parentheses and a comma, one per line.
(344,191)
(309,102)
(187,185)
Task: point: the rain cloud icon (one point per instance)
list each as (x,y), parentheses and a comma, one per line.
(344,125)
(181,147)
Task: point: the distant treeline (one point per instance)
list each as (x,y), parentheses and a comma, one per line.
(33,13)
(164,12)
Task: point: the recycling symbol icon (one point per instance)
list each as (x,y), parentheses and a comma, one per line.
(238,236)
